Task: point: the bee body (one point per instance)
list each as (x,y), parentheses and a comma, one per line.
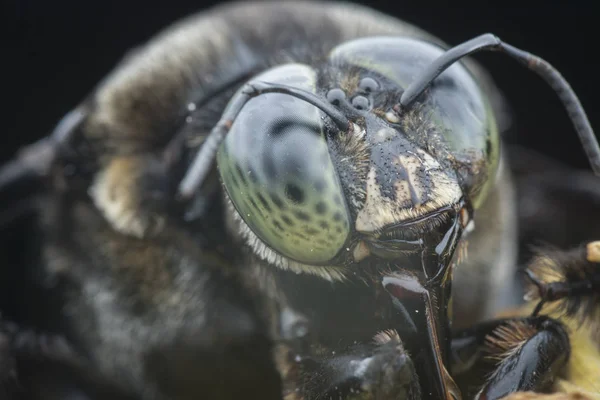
(159,93)
(157,292)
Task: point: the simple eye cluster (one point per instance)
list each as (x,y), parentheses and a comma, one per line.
(359,101)
(368,85)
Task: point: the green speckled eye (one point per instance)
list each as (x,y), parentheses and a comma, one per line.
(276,168)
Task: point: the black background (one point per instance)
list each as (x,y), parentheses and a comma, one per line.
(58,50)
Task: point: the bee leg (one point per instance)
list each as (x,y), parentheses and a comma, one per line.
(42,366)
(381,370)
(504,356)
(529,354)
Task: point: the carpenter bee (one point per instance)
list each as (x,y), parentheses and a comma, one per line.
(270,209)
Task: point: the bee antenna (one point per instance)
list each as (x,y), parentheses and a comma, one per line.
(205,157)
(535,63)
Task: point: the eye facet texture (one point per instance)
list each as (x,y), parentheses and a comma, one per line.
(276,168)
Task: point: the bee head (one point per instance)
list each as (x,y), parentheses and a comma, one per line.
(318,196)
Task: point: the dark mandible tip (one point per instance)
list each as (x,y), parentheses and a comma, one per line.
(541,67)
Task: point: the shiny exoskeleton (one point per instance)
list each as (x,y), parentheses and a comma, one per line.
(323,254)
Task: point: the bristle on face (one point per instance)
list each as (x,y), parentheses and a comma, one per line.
(567,282)
(507,339)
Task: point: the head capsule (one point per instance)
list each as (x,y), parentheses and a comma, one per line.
(309,190)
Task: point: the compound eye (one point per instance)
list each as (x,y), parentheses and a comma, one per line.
(277,171)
